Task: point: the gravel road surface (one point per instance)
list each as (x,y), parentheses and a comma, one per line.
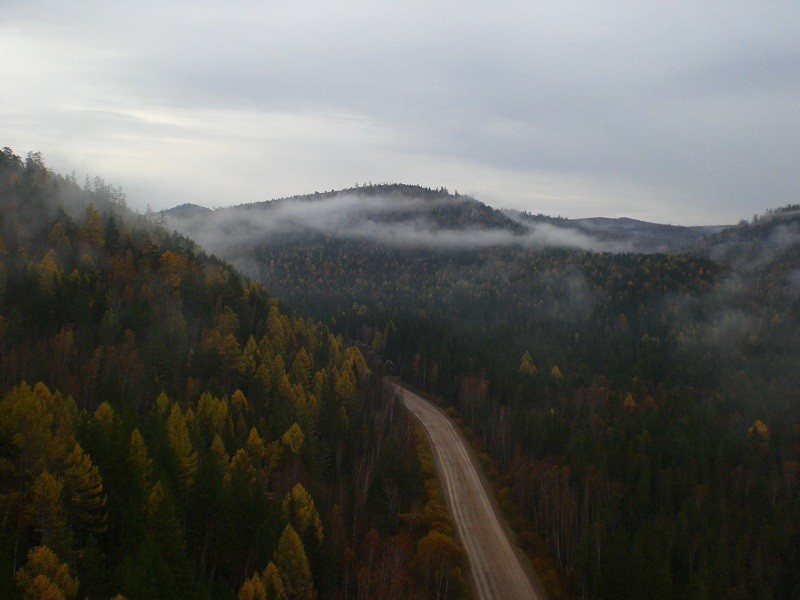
(498,569)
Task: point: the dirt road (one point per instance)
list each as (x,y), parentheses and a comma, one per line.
(498,569)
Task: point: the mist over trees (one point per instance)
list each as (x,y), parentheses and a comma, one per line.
(638,412)
(403,216)
(169,430)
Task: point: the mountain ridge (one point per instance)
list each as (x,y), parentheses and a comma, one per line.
(367,211)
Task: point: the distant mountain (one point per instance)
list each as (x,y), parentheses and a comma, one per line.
(401,203)
(644,236)
(625,234)
(398,214)
(186,210)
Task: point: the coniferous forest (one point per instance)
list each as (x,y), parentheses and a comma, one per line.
(169,430)
(400,301)
(172,428)
(638,413)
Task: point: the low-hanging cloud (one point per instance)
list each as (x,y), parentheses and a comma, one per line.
(386,219)
(557,107)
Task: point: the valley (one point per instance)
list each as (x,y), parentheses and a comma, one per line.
(389,301)
(629,389)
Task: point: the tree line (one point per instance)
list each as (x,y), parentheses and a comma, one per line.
(169,430)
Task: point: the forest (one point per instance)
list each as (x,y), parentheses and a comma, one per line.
(637,413)
(170,430)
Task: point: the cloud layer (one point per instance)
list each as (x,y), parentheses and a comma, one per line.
(392,220)
(670,112)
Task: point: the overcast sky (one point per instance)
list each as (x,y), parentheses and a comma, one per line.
(666,111)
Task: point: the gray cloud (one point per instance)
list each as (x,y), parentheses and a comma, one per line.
(672,112)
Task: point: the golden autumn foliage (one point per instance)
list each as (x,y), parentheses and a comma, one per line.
(48,271)
(44,577)
(58,237)
(37,423)
(49,516)
(292,564)
(299,510)
(241,474)
(526,366)
(181,445)
(92,228)
(629,402)
(104,414)
(84,491)
(759,428)
(139,462)
(273,584)
(253,589)
(438,557)
(294,438)
(179,408)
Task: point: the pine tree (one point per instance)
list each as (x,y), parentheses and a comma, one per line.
(92,228)
(273,584)
(84,491)
(299,510)
(182,448)
(48,512)
(38,425)
(166,542)
(253,589)
(294,438)
(292,564)
(139,463)
(45,578)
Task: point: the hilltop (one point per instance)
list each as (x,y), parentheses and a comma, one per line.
(399,214)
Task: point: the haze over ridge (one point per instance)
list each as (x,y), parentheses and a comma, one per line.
(679,112)
(413,216)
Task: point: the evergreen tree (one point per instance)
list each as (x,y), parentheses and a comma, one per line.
(273,584)
(292,564)
(299,510)
(49,516)
(84,491)
(45,578)
(181,444)
(139,463)
(92,228)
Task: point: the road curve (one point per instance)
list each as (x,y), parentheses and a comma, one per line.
(496,567)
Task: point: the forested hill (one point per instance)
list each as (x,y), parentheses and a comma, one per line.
(639,411)
(407,215)
(167,430)
(769,243)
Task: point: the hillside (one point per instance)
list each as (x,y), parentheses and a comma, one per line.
(167,430)
(769,243)
(638,410)
(398,215)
